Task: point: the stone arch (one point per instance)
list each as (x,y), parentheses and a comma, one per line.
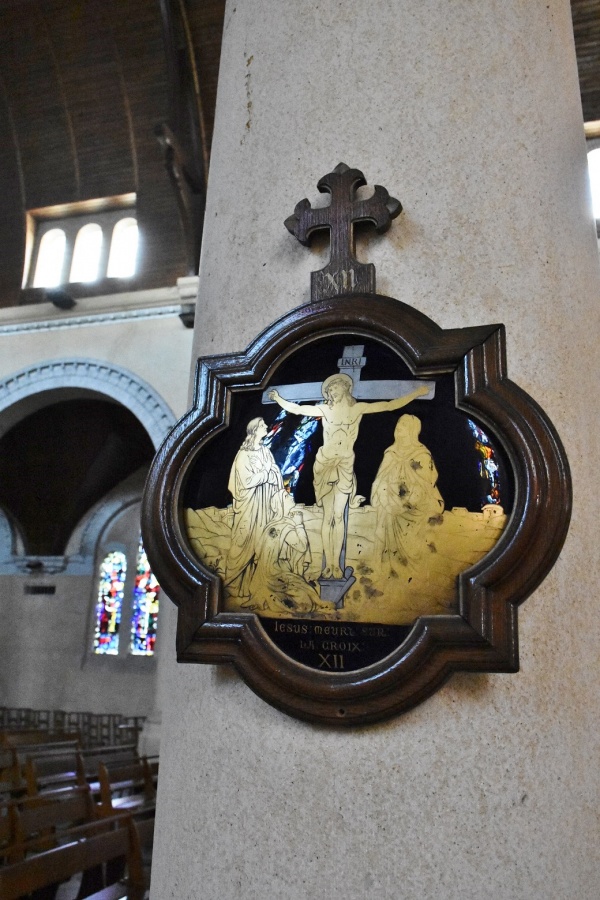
(28,390)
(31,389)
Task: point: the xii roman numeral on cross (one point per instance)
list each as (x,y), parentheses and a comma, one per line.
(343,274)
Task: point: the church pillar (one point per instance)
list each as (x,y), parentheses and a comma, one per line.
(470,115)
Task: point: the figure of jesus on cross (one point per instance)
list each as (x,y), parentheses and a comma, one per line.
(333,473)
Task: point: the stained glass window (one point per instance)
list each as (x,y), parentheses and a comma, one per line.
(290,450)
(110,600)
(144,617)
(488,467)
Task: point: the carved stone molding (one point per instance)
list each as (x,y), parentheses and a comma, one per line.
(31,388)
(105,318)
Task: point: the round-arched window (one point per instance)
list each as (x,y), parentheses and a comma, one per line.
(594,171)
(144,615)
(50,259)
(113,570)
(123,249)
(86,253)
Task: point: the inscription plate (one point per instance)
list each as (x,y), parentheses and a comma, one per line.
(331,647)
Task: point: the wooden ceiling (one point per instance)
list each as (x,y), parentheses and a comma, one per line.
(586,27)
(83,86)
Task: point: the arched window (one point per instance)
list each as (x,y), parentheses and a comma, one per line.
(144,615)
(86,254)
(123,249)
(594,172)
(95,240)
(113,570)
(51,254)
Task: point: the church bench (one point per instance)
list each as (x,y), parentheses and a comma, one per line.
(92,729)
(47,760)
(125,788)
(8,763)
(116,758)
(114,751)
(11,781)
(29,737)
(8,827)
(143,837)
(89,847)
(112,757)
(40,822)
(51,771)
(66,766)
(39,749)
(150,764)
(28,823)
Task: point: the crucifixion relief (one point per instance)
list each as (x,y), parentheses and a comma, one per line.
(344,400)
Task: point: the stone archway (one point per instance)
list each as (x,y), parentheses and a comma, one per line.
(31,389)
(34,387)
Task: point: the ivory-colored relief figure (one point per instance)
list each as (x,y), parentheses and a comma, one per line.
(279,582)
(254,480)
(333,472)
(405,498)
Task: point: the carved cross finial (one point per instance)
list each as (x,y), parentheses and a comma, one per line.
(343,274)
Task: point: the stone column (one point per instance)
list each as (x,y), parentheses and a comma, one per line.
(469,113)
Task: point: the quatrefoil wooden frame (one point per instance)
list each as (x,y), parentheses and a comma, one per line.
(483,635)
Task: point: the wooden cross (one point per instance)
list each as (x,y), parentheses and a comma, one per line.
(343,274)
(350,363)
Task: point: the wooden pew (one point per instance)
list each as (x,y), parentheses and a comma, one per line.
(55,748)
(54,751)
(89,847)
(8,762)
(11,781)
(112,757)
(150,764)
(40,822)
(8,827)
(143,835)
(125,789)
(52,770)
(30,736)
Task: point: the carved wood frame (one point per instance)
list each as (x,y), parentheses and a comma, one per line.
(483,635)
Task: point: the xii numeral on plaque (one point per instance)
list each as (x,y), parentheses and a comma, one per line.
(331,661)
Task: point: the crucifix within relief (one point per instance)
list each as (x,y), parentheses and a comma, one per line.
(335,505)
(333,473)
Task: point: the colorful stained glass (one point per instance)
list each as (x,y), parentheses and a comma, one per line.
(488,467)
(290,454)
(144,617)
(110,601)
